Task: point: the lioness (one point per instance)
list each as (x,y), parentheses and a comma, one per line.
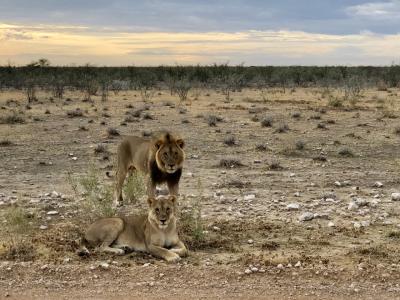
(155,233)
(160,157)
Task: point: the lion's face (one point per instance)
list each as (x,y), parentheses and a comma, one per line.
(169,154)
(162,210)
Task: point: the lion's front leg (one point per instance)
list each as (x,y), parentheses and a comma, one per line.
(151,188)
(180,249)
(163,253)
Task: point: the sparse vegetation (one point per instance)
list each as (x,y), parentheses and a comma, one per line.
(267,121)
(282,128)
(345,151)
(5,143)
(134,187)
(300,145)
(75,113)
(112,132)
(230,163)
(275,165)
(230,140)
(12,119)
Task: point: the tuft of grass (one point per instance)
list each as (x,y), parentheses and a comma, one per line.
(97,196)
(112,132)
(335,102)
(374,251)
(12,119)
(346,152)
(275,165)
(300,145)
(6,143)
(230,140)
(320,157)
(212,120)
(100,148)
(261,147)
(130,119)
(134,187)
(230,163)
(191,225)
(321,126)
(397,130)
(75,113)
(147,116)
(395,235)
(282,128)
(18,220)
(18,249)
(296,115)
(267,121)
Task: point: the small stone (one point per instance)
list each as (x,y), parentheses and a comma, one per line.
(161,275)
(52,213)
(396,196)
(247,271)
(331,224)
(298,264)
(250,241)
(292,174)
(43,227)
(44,267)
(189,174)
(378,184)
(146,265)
(54,194)
(297,194)
(356,225)
(151,283)
(280,266)
(254,269)
(352,206)
(293,206)
(216,228)
(337,183)
(249,197)
(307,216)
(74,158)
(104,265)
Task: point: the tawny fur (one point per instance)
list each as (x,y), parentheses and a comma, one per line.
(160,158)
(154,233)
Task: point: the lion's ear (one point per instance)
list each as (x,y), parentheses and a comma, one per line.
(180,143)
(150,201)
(158,144)
(172,198)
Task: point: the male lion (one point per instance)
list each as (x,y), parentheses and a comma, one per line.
(155,233)
(161,157)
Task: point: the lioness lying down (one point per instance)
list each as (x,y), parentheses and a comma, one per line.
(155,233)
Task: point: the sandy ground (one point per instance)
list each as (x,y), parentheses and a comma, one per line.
(252,214)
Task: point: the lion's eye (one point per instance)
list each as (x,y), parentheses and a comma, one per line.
(165,155)
(157,210)
(168,209)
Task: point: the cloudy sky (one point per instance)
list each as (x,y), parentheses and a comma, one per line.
(153,32)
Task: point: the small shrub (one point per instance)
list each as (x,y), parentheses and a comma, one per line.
(134,188)
(130,119)
(12,119)
(185,121)
(315,117)
(261,147)
(321,126)
(346,152)
(230,140)
(75,113)
(112,132)
(320,157)
(275,165)
(395,235)
(147,116)
(230,163)
(282,128)
(47,112)
(18,249)
(100,148)
(212,120)
(296,115)
(267,121)
(18,220)
(335,102)
(5,143)
(300,145)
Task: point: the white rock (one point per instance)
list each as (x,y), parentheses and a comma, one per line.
(250,241)
(254,269)
(54,194)
(146,264)
(249,197)
(52,212)
(396,196)
(44,267)
(292,174)
(43,227)
(365,223)
(74,158)
(298,264)
(356,225)
(297,194)
(352,206)
(293,206)
(280,266)
(104,265)
(337,183)
(331,224)
(378,184)
(216,228)
(257,161)
(307,216)
(247,271)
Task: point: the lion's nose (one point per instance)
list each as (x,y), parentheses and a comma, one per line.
(171,166)
(163,221)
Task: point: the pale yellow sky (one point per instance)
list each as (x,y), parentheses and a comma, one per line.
(65,45)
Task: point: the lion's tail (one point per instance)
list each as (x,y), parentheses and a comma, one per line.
(83,250)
